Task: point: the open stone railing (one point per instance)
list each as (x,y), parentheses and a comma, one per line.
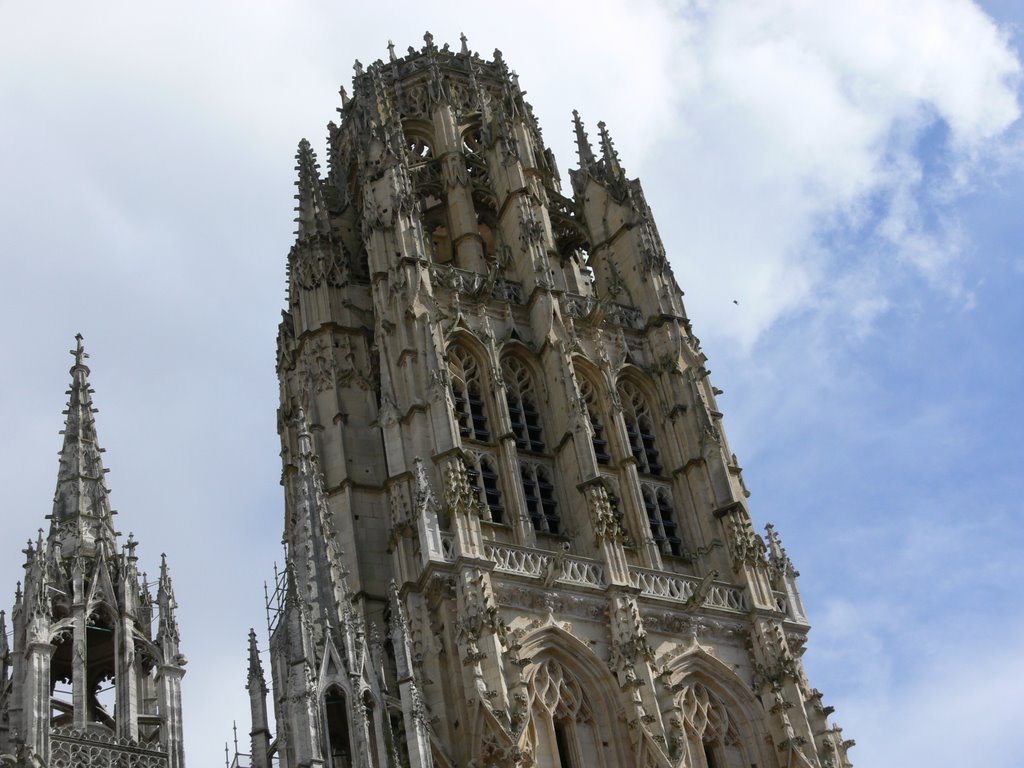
(73,748)
(672,586)
(588,573)
(548,565)
(524,562)
(557,567)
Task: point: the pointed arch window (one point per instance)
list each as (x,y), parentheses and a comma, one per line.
(639,429)
(482,474)
(468,395)
(590,399)
(661,518)
(563,722)
(712,738)
(541,505)
(339,748)
(521,398)
(370,708)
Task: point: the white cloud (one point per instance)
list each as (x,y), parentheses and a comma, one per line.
(800,116)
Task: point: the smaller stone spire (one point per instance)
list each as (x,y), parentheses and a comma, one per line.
(465,44)
(4,647)
(167,634)
(257,688)
(311,209)
(608,153)
(777,553)
(257,677)
(391,51)
(785,575)
(583,148)
(81,522)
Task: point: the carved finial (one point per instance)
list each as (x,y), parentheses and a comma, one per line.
(358,67)
(583,148)
(428,39)
(608,153)
(130,545)
(777,553)
(465,43)
(391,51)
(344,96)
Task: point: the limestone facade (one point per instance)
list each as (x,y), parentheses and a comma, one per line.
(516,533)
(93,675)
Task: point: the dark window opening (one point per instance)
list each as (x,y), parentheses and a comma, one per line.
(541,505)
(709,755)
(562,745)
(660,517)
(639,430)
(338,745)
(467,396)
(483,478)
(596,427)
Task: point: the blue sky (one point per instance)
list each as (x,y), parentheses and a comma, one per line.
(850,174)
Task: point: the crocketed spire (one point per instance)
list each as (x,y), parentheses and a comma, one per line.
(82,520)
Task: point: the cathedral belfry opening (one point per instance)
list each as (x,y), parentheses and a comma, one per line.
(516,532)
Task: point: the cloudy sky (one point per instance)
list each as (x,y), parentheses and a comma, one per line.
(850,173)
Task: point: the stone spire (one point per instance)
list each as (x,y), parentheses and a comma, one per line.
(82,521)
(583,148)
(311,210)
(257,688)
(167,635)
(312,540)
(257,676)
(609,155)
(4,647)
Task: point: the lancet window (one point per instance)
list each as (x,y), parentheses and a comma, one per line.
(563,723)
(468,395)
(481,469)
(661,518)
(339,749)
(425,174)
(711,737)
(521,398)
(541,505)
(473,150)
(590,399)
(639,429)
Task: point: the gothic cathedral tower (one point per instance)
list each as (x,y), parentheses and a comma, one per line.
(87,681)
(515,532)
